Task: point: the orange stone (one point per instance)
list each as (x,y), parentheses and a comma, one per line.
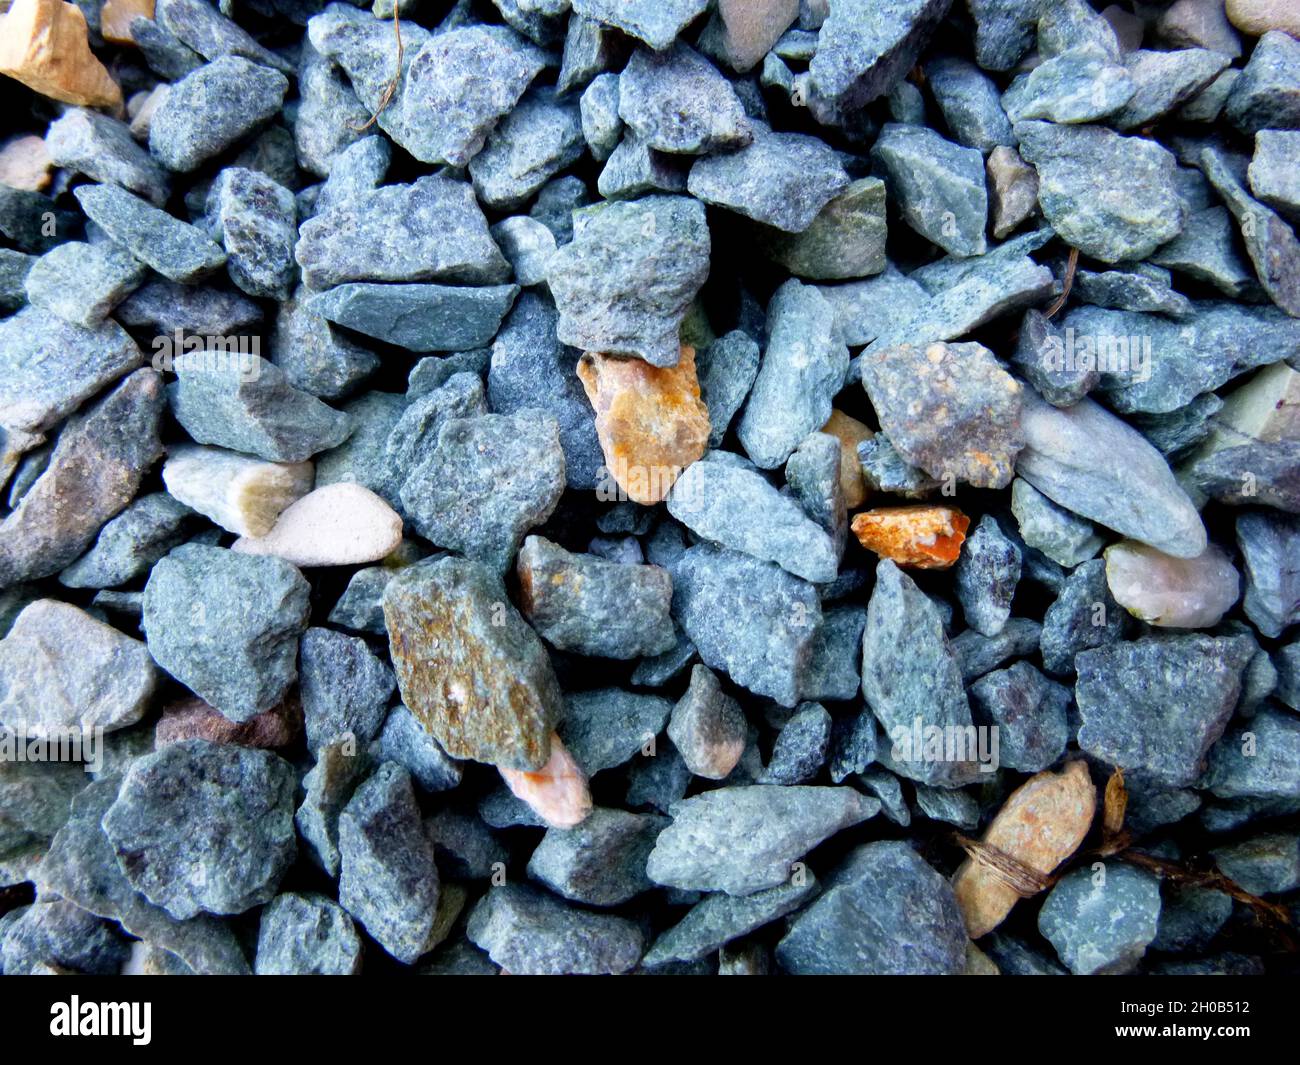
(25,163)
(927,537)
(1043,822)
(44,44)
(850,433)
(116,16)
(557,792)
(651,421)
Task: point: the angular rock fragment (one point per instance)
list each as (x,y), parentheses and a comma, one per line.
(46,48)
(527,245)
(1270,546)
(486,691)
(344,688)
(201,827)
(676,101)
(1265,96)
(306,935)
(1081,84)
(1166,80)
(1272,173)
(129,545)
(56,936)
(257,220)
(405,741)
(1063,537)
(801,747)
(1030,713)
(540,137)
(101,147)
(707,727)
(82,283)
(166,306)
(418,317)
(193,719)
(600,862)
(845,240)
(938,185)
(986,576)
(606,727)
(242,494)
(212,34)
(175,249)
(656,22)
(336,525)
(744,839)
(924,537)
(1012,190)
(1102,925)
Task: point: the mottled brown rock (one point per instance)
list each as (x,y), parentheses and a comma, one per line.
(44,44)
(1039,826)
(194,719)
(25,163)
(469,666)
(651,421)
(115,19)
(925,537)
(850,433)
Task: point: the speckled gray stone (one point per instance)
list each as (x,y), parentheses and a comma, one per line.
(656,22)
(623,284)
(226,625)
(211,33)
(1029,712)
(129,545)
(987,573)
(56,935)
(257,221)
(801,747)
(743,839)
(677,101)
(1084,616)
(1064,537)
(885,912)
(102,148)
(1270,550)
(344,688)
(202,826)
(1102,925)
(314,356)
(539,137)
(306,935)
(82,283)
(414,436)
(327,787)
(1265,96)
(387,877)
(600,862)
(969,101)
(607,727)
(726,370)
(1274,177)
(1081,84)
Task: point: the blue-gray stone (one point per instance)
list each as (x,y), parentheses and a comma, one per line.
(1079,85)
(329,116)
(835,670)
(1041,357)
(101,147)
(634,169)
(1270,550)
(176,249)
(977,654)
(677,101)
(1274,174)
(327,787)
(970,103)
(1259,758)
(419,317)
(953,807)
(314,356)
(414,436)
(344,688)
(801,747)
(306,935)
(600,862)
(1166,80)
(1029,712)
(656,22)
(212,34)
(1084,616)
(608,727)
(1004,30)
(1266,96)
(257,221)
(865,310)
(164,306)
(1207,251)
(589,49)
(1102,922)
(540,137)
(987,573)
(601,125)
(1143,288)
(1190,918)
(129,545)
(726,370)
(56,935)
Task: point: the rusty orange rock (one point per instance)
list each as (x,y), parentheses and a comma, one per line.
(116,16)
(44,44)
(850,433)
(1041,824)
(651,421)
(926,537)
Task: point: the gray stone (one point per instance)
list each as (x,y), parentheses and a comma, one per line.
(487,482)
(910,676)
(607,727)
(32,222)
(1079,85)
(1267,474)
(590,606)
(129,545)
(885,470)
(1072,24)
(1063,537)
(676,101)
(211,34)
(357,170)
(1166,80)
(329,114)
(1098,925)
(1268,864)
(52,366)
(1093,464)
(1259,758)
(938,186)
(634,169)
(306,935)
(165,306)
(949,409)
(987,573)
(845,240)
(801,747)
(624,283)
(1270,551)
(212,108)
(749,618)
(719,918)
(463,845)
(600,862)
(1266,94)
(738,508)
(246,404)
(201,826)
(539,137)
(1159,704)
(226,625)
(955,807)
(1190,917)
(531,367)
(1207,251)
(344,688)
(1030,713)
(802,370)
(867,309)
(1088,177)
(601,125)
(556,203)
(1084,616)
(1004,30)
(885,912)
(970,103)
(780,179)
(14,267)
(1274,177)
(531,933)
(864,49)
(1040,356)
(812,474)
(103,149)
(387,879)
(1143,289)
(414,436)
(316,358)
(656,22)
(590,48)
(327,787)
(55,935)
(431,229)
(726,369)
(528,246)
(257,221)
(707,728)
(93,472)
(82,283)
(744,839)
(175,249)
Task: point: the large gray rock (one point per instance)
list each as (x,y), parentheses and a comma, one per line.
(676,101)
(600,862)
(1102,921)
(418,317)
(306,935)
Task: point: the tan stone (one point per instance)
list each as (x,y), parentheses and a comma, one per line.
(44,44)
(1257,17)
(850,433)
(116,16)
(1267,407)
(25,164)
(1042,823)
(651,421)
(924,537)
(978,963)
(142,119)
(557,792)
(749,28)
(1013,190)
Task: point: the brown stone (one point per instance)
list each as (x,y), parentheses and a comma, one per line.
(116,16)
(1013,190)
(749,29)
(850,433)
(44,44)
(193,719)
(25,163)
(651,421)
(1257,17)
(925,537)
(1042,823)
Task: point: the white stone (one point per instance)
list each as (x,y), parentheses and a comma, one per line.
(342,524)
(1175,593)
(242,494)
(1267,407)
(557,792)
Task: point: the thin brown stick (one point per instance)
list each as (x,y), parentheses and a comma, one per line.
(391,88)
(1065,288)
(1024,880)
